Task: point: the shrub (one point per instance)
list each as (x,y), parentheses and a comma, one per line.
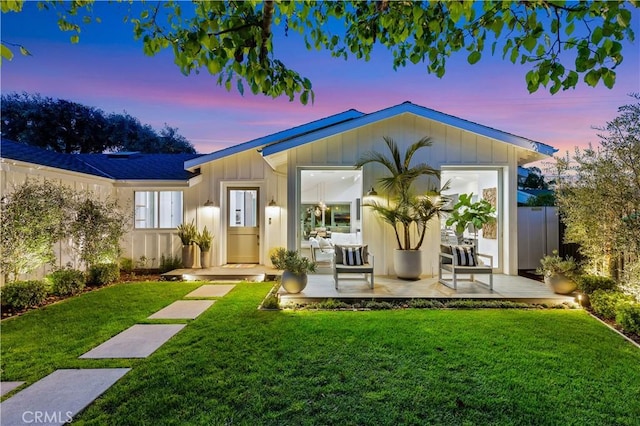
(169,263)
(628,316)
(271,302)
(66,282)
(103,274)
(23,294)
(126,264)
(587,284)
(604,303)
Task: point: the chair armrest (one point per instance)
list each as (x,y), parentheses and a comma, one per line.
(487,256)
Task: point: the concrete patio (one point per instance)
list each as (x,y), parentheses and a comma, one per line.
(505,287)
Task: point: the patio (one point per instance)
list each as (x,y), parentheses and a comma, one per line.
(354,286)
(506,287)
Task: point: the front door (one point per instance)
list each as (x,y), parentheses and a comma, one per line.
(243,229)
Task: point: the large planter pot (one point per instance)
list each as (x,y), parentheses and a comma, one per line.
(188,256)
(293,283)
(408,264)
(560,283)
(205,259)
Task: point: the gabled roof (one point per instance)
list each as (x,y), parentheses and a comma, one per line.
(284,135)
(408,107)
(129,166)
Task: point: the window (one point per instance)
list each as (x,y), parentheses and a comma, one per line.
(158,209)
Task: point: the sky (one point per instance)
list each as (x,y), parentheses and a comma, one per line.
(107,69)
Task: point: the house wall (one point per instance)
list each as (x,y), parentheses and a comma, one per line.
(136,243)
(245,169)
(13,174)
(451,147)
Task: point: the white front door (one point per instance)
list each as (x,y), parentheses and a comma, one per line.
(243,225)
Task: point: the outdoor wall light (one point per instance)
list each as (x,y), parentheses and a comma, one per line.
(209,203)
(272,203)
(372,192)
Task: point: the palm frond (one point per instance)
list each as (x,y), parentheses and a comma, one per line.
(422,143)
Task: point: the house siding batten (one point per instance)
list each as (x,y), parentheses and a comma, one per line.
(451,147)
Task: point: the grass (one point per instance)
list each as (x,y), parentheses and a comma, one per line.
(237,365)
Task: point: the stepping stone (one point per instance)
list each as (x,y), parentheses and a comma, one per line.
(6,387)
(183,309)
(138,341)
(57,398)
(211,291)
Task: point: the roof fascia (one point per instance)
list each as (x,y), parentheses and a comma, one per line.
(407,107)
(157,183)
(266,140)
(72,173)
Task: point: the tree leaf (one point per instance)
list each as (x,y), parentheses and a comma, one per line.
(592,78)
(474,57)
(6,52)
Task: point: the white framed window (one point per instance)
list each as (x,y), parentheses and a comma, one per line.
(158,209)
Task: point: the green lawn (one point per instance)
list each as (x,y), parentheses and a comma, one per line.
(238,365)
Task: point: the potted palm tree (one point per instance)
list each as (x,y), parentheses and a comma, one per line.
(295,267)
(467,213)
(407,213)
(187,233)
(204,240)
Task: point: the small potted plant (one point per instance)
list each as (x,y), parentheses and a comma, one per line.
(295,267)
(560,274)
(203,240)
(187,233)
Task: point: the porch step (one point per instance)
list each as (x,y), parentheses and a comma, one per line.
(231,273)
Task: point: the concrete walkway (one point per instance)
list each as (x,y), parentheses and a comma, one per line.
(138,341)
(6,387)
(183,309)
(57,398)
(211,291)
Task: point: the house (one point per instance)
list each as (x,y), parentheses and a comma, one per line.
(281,189)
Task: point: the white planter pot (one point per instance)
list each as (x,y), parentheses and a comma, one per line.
(560,284)
(205,259)
(188,256)
(408,264)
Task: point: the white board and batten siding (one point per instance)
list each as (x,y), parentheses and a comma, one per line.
(244,169)
(452,147)
(15,173)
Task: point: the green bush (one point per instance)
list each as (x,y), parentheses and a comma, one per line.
(66,282)
(103,274)
(628,316)
(23,294)
(126,264)
(169,263)
(604,303)
(587,284)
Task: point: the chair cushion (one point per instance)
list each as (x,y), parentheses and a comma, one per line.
(340,254)
(353,256)
(464,255)
(324,243)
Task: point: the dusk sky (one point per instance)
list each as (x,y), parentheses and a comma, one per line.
(108,70)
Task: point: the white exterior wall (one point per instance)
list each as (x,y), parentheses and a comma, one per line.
(150,243)
(14,173)
(245,169)
(451,147)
